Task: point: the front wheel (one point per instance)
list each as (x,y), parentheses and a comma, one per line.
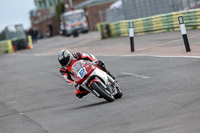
(119,93)
(75,34)
(68,35)
(102,92)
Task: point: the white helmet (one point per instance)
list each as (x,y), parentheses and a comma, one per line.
(64,57)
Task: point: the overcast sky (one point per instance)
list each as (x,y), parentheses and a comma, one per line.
(15,12)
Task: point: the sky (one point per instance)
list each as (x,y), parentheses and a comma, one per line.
(15,12)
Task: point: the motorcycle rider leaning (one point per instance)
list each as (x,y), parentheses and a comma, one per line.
(66,60)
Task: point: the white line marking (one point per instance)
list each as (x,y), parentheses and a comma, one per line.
(12,102)
(128,55)
(151,56)
(136,75)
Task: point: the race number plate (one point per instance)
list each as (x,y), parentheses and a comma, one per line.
(82,72)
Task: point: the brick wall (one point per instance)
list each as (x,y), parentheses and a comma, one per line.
(76,2)
(40,13)
(43,26)
(93,14)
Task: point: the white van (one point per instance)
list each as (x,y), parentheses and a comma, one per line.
(73,22)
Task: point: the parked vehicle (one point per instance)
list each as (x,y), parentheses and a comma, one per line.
(73,23)
(17,35)
(95,81)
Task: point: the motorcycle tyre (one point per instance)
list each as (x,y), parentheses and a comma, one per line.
(76,34)
(101,92)
(119,94)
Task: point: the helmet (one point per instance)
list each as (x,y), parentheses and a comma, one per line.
(64,57)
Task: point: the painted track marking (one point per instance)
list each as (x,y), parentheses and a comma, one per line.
(136,75)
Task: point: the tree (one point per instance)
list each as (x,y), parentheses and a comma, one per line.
(60,8)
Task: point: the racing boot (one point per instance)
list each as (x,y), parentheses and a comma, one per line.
(81,92)
(113,76)
(102,66)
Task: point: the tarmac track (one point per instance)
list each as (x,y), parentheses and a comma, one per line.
(161,94)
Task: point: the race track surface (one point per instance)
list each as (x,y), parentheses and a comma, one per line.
(161,95)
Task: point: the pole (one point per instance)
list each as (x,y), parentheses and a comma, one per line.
(70,3)
(184,33)
(131,35)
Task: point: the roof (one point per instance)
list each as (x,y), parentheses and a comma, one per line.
(117,4)
(74,12)
(89,3)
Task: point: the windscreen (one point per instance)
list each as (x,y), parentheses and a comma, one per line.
(76,67)
(75,17)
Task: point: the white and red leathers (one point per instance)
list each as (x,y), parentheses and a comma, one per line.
(66,71)
(68,76)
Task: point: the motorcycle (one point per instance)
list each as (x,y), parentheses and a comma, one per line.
(95,81)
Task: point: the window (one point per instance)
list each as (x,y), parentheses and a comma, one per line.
(42,4)
(74,17)
(51,3)
(55,1)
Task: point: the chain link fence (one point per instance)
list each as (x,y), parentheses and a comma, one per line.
(114,14)
(133,9)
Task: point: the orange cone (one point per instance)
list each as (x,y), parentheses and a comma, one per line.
(28,47)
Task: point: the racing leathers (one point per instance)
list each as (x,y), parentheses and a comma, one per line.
(68,76)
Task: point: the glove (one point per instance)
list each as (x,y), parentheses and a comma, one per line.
(94,63)
(75,84)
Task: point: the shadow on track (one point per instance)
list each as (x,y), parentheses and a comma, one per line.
(89,105)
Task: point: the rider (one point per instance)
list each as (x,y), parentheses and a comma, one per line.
(66,61)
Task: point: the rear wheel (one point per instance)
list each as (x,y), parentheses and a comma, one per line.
(102,92)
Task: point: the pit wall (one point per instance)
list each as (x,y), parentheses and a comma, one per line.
(154,24)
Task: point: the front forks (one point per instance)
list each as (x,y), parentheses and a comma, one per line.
(112,84)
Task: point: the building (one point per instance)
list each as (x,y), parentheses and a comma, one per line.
(44,17)
(95,10)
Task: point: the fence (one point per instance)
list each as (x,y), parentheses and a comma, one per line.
(133,9)
(153,24)
(114,14)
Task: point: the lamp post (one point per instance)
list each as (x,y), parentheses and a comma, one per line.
(70,4)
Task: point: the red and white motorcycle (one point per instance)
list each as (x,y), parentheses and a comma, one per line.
(96,81)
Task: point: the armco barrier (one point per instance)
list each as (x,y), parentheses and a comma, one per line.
(155,24)
(6,47)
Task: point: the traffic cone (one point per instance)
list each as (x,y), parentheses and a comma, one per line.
(30,45)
